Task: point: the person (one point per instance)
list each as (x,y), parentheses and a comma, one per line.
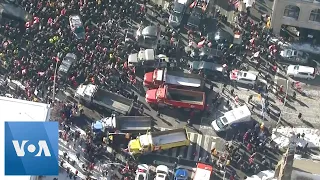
(300,115)
(294,94)
(250,98)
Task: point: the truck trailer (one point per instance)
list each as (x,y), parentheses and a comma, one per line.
(155,141)
(178,98)
(127,124)
(94,95)
(172,78)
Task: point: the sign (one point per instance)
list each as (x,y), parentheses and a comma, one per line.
(31,148)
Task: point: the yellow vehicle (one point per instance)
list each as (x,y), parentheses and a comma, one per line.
(154,141)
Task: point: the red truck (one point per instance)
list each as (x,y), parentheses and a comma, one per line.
(179,98)
(161,77)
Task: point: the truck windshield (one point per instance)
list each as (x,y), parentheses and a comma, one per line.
(221,124)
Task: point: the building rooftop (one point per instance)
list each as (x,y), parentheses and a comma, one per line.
(306,165)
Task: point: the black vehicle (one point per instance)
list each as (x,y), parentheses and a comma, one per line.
(175,18)
(14,12)
(65,65)
(128,124)
(219,37)
(195,18)
(207,69)
(206,54)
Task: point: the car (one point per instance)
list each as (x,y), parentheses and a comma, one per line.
(194,20)
(76,26)
(65,65)
(243,77)
(142,172)
(179,8)
(206,53)
(162,172)
(15,12)
(207,69)
(303,72)
(181,174)
(219,36)
(293,55)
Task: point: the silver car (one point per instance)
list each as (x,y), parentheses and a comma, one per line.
(293,55)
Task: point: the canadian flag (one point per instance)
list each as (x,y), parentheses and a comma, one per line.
(201,43)
(57,59)
(192,5)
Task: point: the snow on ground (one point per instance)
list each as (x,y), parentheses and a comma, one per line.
(263,175)
(282,135)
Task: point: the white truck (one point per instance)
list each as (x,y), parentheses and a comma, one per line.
(241,114)
(94,95)
(148,59)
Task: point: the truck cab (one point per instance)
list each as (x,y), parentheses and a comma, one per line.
(241,114)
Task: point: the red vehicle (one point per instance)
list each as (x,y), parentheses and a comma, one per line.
(203,172)
(161,77)
(179,98)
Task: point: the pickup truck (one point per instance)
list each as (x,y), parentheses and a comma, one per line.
(172,78)
(155,141)
(179,98)
(94,95)
(127,124)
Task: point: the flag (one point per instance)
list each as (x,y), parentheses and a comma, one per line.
(201,43)
(192,5)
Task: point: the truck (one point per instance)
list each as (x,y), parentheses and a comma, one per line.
(127,124)
(172,78)
(147,58)
(240,114)
(155,141)
(93,95)
(177,98)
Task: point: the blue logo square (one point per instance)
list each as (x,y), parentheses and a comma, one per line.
(31,148)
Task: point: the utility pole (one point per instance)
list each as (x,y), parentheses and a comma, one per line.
(54,82)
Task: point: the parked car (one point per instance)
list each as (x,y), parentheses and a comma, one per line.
(219,37)
(179,8)
(15,12)
(194,20)
(295,56)
(207,69)
(76,26)
(142,172)
(304,72)
(65,65)
(162,172)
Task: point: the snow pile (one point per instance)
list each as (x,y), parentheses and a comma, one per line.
(283,135)
(263,175)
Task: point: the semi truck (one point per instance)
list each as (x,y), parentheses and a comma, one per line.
(155,141)
(178,98)
(127,124)
(172,78)
(93,95)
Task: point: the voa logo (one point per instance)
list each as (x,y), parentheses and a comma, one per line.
(40,149)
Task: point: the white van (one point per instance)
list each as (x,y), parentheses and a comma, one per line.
(304,72)
(237,115)
(244,77)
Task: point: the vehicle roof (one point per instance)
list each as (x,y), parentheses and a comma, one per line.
(198,65)
(178,7)
(236,114)
(194,20)
(302,68)
(247,75)
(76,20)
(14,12)
(210,52)
(150,31)
(182,1)
(143,166)
(162,168)
(67,62)
(88,89)
(202,172)
(146,55)
(180,172)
